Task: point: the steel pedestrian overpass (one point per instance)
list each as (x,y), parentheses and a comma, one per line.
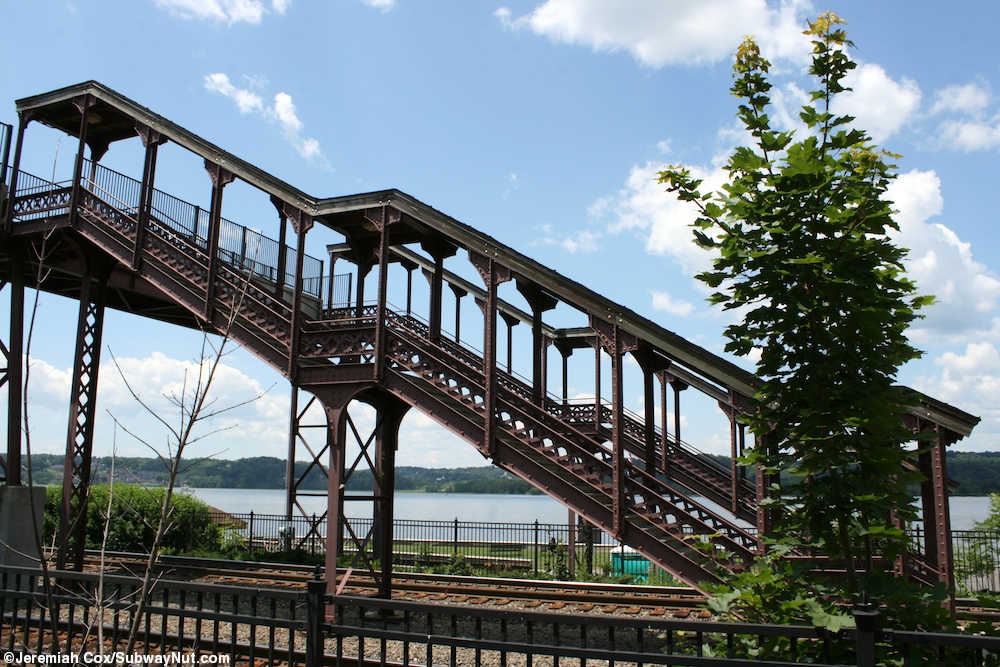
(113,240)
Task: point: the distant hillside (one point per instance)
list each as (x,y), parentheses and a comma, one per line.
(268,472)
(978,474)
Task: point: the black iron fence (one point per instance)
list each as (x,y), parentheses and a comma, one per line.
(536,548)
(976,558)
(87,616)
(398,632)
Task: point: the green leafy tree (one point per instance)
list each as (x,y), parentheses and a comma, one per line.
(801,236)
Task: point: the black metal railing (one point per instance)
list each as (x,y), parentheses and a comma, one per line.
(399,632)
(88,615)
(246,249)
(531,548)
(240,246)
(214,623)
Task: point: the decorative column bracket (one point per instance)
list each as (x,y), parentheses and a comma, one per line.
(83,105)
(616,343)
(302,222)
(651,365)
(492,274)
(152,140)
(221,177)
(24,117)
(383,219)
(439,250)
(539,301)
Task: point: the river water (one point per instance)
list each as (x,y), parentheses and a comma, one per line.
(486,508)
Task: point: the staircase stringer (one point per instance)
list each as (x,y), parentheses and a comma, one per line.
(675,556)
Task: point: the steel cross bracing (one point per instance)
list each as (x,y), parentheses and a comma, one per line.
(630,474)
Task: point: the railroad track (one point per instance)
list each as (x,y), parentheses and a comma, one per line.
(677,602)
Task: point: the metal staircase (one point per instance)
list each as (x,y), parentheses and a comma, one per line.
(551,447)
(164,258)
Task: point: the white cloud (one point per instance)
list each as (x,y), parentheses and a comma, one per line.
(970,135)
(281,112)
(156,377)
(880,104)
(261,423)
(941,263)
(383,5)
(228,11)
(246,100)
(971,380)
(664,222)
(513,185)
(665,302)
(969,98)
(967,127)
(662,32)
(583,242)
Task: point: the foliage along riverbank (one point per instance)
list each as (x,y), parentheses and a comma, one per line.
(266,472)
(977,473)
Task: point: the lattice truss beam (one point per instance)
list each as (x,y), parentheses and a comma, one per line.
(79,444)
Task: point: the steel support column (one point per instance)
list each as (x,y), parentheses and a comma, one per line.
(376,454)
(336,435)
(302,222)
(459,292)
(390,416)
(735,451)
(152,140)
(493,274)
(83,104)
(221,177)
(651,365)
(439,250)
(24,117)
(539,302)
(511,321)
(13,375)
(616,343)
(764,480)
(664,436)
(934,497)
(383,219)
(282,264)
(80,440)
(565,350)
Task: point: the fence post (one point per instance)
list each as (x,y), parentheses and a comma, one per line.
(315,641)
(536,546)
(454,546)
(865,619)
(250,538)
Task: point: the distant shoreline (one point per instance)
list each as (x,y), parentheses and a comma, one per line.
(977,474)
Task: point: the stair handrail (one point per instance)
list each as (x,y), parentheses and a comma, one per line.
(637,477)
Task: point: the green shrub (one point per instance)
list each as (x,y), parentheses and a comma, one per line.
(135,513)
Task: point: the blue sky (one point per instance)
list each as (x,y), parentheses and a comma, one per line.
(539,123)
